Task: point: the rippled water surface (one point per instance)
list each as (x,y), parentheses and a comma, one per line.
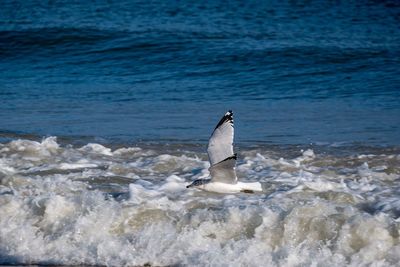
(295,72)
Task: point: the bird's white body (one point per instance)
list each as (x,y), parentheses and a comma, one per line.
(223,161)
(224,188)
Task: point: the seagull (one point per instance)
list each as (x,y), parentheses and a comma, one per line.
(223,162)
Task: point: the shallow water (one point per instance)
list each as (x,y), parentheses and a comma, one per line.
(92,204)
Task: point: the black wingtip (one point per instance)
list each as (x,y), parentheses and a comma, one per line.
(231,157)
(227,117)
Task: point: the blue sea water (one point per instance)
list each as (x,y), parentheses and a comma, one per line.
(294,72)
(106,108)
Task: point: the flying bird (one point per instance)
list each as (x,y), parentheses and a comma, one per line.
(223,162)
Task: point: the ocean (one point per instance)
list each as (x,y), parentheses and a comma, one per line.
(106,108)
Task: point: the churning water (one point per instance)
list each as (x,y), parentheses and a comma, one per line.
(63,204)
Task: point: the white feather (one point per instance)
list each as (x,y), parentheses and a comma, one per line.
(224,171)
(220,145)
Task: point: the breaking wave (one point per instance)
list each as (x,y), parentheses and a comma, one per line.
(95,205)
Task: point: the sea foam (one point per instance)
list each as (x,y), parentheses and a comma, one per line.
(66,205)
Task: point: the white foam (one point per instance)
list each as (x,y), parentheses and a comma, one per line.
(72,166)
(96,149)
(130,207)
(46,148)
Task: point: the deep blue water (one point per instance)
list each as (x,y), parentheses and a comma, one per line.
(294,72)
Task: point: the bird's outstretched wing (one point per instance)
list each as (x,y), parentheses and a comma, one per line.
(220,151)
(224,172)
(220,145)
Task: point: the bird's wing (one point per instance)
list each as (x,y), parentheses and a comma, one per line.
(220,145)
(224,171)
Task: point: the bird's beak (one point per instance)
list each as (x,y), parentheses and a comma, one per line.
(188,186)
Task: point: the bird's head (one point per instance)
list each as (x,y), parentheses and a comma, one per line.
(199,183)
